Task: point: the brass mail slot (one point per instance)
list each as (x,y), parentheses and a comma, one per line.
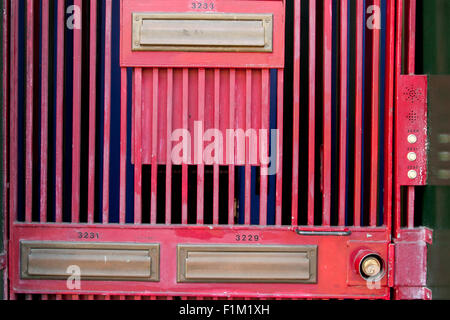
(219,32)
(247,264)
(94,261)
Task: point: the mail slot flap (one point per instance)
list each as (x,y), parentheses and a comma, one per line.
(230,34)
(275,264)
(202,32)
(94,261)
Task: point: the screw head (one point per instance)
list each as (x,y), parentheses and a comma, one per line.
(412,156)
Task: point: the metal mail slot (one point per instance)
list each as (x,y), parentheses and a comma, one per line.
(247,264)
(202,32)
(95,261)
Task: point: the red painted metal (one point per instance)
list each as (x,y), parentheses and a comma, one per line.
(137,86)
(123,145)
(411,120)
(375,101)
(312,111)
(231,168)
(59,113)
(185,165)
(76,138)
(360,27)
(154,143)
(343,112)
(331,285)
(131,58)
(389,114)
(280,119)
(5,126)
(107,111)
(169,145)
(29,110)
(296,113)
(44,111)
(327,126)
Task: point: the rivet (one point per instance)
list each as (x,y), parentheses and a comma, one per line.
(412,156)
(412,138)
(371,267)
(412,174)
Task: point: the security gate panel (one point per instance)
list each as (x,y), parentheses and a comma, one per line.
(162,149)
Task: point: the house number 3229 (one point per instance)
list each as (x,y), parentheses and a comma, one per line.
(202,5)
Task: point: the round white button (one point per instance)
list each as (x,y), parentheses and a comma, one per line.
(412,138)
(412,174)
(412,156)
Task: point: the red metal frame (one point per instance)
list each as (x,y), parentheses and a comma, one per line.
(5,133)
(231,91)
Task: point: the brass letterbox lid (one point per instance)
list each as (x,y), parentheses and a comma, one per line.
(197,32)
(247,264)
(95,261)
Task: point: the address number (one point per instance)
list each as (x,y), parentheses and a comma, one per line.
(88,235)
(203,5)
(247,238)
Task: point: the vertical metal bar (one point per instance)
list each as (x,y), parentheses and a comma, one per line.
(327,121)
(44,111)
(312,110)
(123,145)
(169,145)
(29,112)
(216,163)
(343,109)
(92,109)
(231,167)
(375,121)
(76,142)
(248,126)
(59,112)
(154,177)
(265,125)
(360,27)
(107,110)
(199,151)
(138,146)
(184,190)
(398,71)
(410,212)
(296,124)
(390,66)
(5,115)
(280,120)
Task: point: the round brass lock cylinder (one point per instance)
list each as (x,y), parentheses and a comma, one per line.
(371,267)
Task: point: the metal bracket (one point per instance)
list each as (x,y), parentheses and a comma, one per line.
(410,278)
(344,233)
(3,261)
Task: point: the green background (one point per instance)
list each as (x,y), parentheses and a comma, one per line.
(433,57)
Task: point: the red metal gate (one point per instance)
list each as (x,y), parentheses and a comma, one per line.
(318,225)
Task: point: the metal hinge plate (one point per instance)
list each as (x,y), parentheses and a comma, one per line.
(410,276)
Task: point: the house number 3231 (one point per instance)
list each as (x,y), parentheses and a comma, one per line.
(203,5)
